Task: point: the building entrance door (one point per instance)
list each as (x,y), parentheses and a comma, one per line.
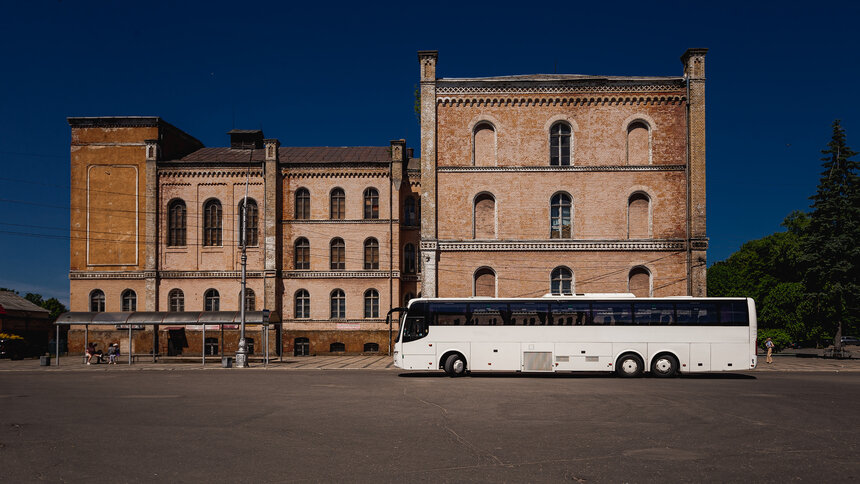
(176,341)
(301,347)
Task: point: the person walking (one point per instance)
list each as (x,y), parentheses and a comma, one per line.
(769,345)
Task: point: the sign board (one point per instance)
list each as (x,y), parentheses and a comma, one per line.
(348,325)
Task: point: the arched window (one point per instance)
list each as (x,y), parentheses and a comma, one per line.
(303,204)
(212,223)
(371,303)
(562,281)
(408,297)
(559,144)
(338,257)
(371,347)
(371,204)
(638,143)
(638,215)
(250,231)
(338,204)
(485,216)
(176,223)
(211,300)
(129,301)
(409,218)
(485,282)
(250,299)
(560,210)
(338,304)
(639,282)
(371,254)
(175,300)
(484,145)
(303,304)
(97,301)
(302,254)
(337,347)
(409,259)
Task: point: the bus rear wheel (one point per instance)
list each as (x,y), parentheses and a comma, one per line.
(664,366)
(629,366)
(455,365)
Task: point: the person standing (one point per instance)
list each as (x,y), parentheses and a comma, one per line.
(769,345)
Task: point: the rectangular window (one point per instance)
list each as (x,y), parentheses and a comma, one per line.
(654,314)
(489,313)
(734,313)
(529,314)
(698,313)
(612,313)
(564,313)
(450,314)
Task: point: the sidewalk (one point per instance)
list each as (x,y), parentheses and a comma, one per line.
(782,362)
(72,363)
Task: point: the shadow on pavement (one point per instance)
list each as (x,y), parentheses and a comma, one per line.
(574,375)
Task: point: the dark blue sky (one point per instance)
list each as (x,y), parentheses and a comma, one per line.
(334,75)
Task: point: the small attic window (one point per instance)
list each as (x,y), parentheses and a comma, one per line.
(245,139)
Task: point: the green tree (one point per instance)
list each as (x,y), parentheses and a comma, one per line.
(831,254)
(768,271)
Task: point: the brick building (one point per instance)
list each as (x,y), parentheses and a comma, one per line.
(563,183)
(155,228)
(525,185)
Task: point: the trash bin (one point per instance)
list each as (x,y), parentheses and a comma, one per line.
(226,362)
(45,361)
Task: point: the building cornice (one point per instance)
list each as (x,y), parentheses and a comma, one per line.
(340,221)
(79,275)
(507,169)
(539,100)
(560,245)
(335,171)
(585,85)
(339,274)
(212,171)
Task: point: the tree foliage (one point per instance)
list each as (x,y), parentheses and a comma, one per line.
(804,280)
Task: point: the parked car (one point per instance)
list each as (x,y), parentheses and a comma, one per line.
(850,340)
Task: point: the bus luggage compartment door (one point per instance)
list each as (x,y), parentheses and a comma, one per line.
(495,356)
(537,357)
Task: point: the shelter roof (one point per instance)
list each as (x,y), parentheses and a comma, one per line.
(174,318)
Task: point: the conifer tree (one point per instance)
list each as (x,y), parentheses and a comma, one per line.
(831,249)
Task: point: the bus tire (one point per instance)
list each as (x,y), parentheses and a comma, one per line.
(629,365)
(664,365)
(455,365)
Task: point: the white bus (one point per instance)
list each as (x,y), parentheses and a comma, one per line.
(592,332)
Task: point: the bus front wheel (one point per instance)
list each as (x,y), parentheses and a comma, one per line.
(629,366)
(455,365)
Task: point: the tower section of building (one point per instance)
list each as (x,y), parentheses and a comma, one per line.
(563,183)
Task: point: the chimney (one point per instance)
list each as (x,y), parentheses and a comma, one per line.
(246,139)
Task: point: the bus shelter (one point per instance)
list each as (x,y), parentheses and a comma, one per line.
(202,321)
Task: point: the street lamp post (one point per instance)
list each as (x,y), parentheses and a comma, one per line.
(242,352)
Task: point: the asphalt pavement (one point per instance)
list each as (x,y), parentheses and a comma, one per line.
(80,424)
